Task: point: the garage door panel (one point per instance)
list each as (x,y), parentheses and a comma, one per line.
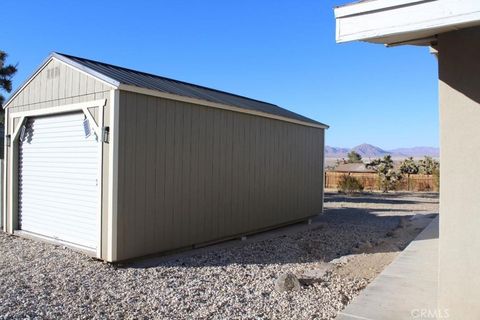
(58,172)
(67,190)
(59,149)
(64,156)
(44,213)
(72,176)
(63,202)
(50,222)
(59,186)
(71,167)
(44,162)
(52,208)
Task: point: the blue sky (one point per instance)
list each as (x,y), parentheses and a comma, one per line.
(282,52)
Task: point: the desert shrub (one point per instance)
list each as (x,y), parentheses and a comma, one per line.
(349,184)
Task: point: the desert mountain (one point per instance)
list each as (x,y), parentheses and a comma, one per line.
(417,151)
(370,151)
(332,152)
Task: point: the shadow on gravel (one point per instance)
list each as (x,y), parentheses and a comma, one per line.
(391,194)
(337,232)
(379,199)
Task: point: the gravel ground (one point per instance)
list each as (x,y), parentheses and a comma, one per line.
(229,281)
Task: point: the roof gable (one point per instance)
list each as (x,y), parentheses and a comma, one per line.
(55,80)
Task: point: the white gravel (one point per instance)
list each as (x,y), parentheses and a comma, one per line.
(234,281)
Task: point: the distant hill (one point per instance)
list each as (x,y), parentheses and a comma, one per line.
(370,151)
(333,152)
(417,151)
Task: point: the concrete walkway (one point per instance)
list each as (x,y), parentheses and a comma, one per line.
(406,287)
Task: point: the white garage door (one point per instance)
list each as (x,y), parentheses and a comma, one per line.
(58,171)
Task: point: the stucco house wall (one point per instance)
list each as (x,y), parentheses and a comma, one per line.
(459,94)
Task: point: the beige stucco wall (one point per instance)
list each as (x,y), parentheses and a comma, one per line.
(459,73)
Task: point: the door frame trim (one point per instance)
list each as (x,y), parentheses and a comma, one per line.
(11,208)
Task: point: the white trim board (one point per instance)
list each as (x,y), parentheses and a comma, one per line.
(396,21)
(368,6)
(113,176)
(12,213)
(6,162)
(61,109)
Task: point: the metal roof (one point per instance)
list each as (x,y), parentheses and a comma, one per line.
(121,75)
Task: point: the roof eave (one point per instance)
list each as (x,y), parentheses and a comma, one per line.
(403,21)
(171,96)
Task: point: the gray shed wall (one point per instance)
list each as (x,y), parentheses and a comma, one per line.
(190,174)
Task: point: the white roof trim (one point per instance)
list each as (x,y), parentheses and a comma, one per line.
(364,7)
(87,70)
(115,84)
(404,20)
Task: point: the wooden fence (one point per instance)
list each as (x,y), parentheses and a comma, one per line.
(370,181)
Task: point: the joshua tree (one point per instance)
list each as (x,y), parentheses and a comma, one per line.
(428,165)
(354,157)
(387,175)
(409,166)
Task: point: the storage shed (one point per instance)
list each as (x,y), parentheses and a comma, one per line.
(122,163)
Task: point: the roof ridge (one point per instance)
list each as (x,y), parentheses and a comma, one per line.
(119,75)
(165,78)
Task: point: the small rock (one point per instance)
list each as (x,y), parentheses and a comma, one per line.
(342,260)
(287,282)
(311,276)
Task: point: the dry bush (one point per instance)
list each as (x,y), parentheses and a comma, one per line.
(349,184)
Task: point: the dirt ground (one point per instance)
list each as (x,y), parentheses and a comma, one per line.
(414,212)
(334,258)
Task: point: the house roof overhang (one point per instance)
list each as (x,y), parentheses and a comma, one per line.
(396,22)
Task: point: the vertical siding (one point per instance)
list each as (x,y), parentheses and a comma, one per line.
(58,84)
(190,174)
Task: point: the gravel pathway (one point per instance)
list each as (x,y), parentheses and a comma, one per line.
(234,281)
